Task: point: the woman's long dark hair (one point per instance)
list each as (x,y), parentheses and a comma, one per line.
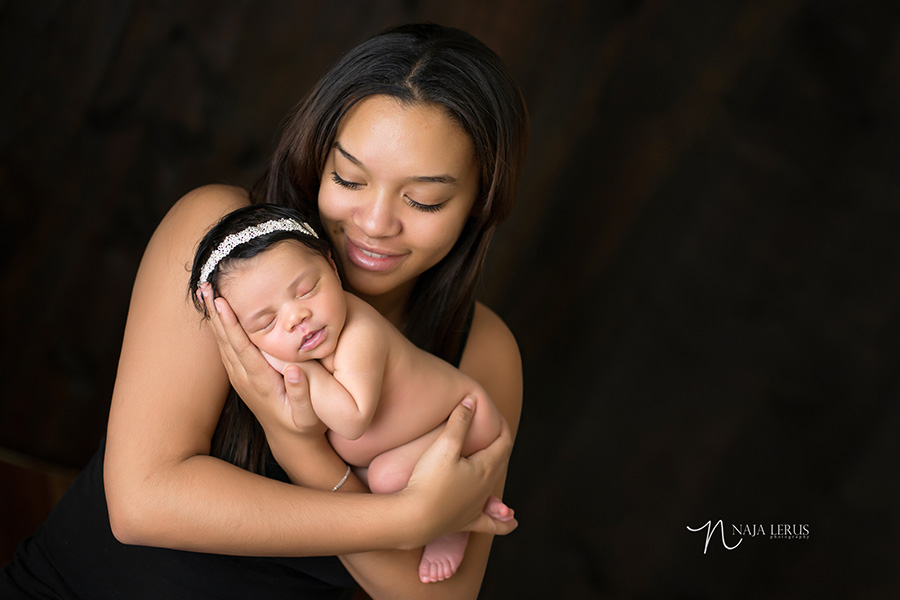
(416,64)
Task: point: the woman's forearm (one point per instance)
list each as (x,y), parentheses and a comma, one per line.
(386,572)
(204,504)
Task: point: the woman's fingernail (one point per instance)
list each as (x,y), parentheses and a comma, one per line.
(469,402)
(218,306)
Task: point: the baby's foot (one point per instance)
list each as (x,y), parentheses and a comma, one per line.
(441,557)
(496,509)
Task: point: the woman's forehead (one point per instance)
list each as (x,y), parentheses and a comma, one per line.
(419,140)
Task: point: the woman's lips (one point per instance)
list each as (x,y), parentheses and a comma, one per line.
(311,341)
(371,259)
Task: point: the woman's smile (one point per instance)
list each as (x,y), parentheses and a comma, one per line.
(398,186)
(372,259)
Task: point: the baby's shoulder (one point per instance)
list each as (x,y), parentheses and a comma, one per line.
(362,314)
(365,327)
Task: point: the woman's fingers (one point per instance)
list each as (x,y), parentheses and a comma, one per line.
(248,370)
(297,388)
(497,454)
(454,434)
(232,339)
(488,461)
(453,488)
(273,399)
(215,323)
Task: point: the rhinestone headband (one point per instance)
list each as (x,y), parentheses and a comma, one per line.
(245,235)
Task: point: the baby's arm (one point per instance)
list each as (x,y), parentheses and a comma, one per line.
(357,373)
(345,401)
(345,413)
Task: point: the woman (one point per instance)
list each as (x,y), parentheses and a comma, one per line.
(411,145)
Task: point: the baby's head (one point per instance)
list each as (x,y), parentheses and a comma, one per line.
(278,277)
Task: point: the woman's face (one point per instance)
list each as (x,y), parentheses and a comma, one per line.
(398,186)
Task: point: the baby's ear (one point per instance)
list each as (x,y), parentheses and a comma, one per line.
(334,265)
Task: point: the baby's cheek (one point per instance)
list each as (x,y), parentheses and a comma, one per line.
(260,342)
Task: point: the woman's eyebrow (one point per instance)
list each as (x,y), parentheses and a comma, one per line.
(347,155)
(445,179)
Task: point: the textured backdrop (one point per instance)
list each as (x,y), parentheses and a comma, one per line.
(702,270)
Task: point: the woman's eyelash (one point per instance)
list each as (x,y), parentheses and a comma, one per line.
(343,182)
(428,208)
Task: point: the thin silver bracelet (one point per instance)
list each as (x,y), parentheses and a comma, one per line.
(343,479)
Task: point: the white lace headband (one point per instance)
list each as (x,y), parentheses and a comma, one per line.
(245,235)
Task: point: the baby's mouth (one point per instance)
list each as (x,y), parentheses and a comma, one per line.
(312,340)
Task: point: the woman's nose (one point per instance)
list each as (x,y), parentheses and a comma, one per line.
(376,216)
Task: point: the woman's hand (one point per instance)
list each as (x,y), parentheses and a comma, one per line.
(453,489)
(276,400)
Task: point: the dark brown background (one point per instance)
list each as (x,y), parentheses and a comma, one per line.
(702,271)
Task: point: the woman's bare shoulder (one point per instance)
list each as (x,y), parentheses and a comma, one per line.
(169,368)
(492,358)
(490,334)
(203,206)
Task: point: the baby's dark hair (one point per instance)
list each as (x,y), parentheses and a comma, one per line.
(239,220)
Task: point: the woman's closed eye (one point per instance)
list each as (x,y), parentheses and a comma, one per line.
(343,182)
(422,207)
(427,208)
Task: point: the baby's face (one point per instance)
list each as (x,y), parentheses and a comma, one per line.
(289,300)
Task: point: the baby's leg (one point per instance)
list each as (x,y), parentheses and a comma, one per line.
(390,471)
(441,557)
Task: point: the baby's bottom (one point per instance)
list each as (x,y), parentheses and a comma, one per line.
(390,472)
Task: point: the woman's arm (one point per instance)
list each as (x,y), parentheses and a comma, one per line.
(163,488)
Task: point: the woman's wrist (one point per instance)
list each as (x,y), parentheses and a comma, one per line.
(309,460)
